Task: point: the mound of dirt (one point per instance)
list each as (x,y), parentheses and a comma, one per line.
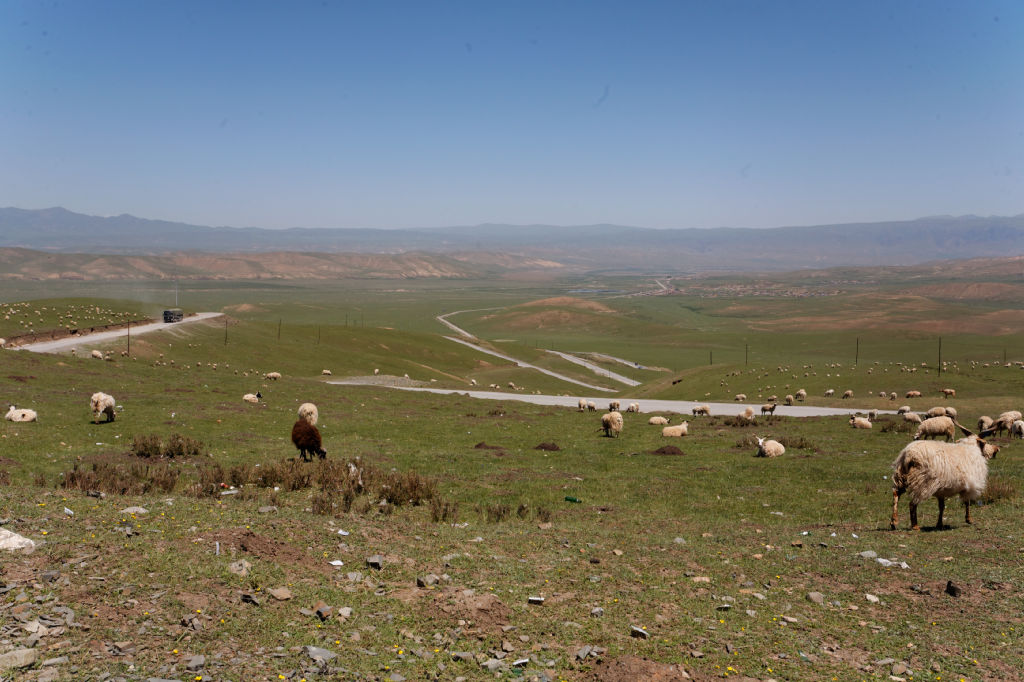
(632,668)
(485,612)
(568,302)
(550,447)
(667,450)
(484,446)
(243,540)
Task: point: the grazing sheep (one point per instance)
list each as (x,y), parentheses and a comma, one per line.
(847,394)
(801,395)
(892,396)
(985,423)
(1005,420)
(612,423)
(913,394)
(936,412)
(657,421)
(941,470)
(912,417)
(613,406)
(309,412)
(633,407)
(96,354)
(951,413)
(1017,429)
(22,415)
(860,423)
(768,409)
(740,397)
(307,439)
(376,371)
(769,448)
(677,431)
(252,397)
(949,392)
(903,409)
(789,399)
(704,410)
(326,372)
(101,403)
(591,406)
(747,414)
(273,376)
(583,404)
(936,426)
(830,392)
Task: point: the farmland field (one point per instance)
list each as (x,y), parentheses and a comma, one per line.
(508,540)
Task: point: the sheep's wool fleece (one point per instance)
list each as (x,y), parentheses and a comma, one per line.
(931,469)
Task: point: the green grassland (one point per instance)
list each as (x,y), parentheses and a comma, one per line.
(713,552)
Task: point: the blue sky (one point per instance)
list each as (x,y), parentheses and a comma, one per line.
(419,114)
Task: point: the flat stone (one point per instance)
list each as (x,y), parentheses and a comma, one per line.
(395,677)
(49,576)
(316,652)
(492,664)
(14,542)
(583,652)
(134,510)
(816,597)
(375,561)
(280,593)
(240,567)
(871,598)
(868,554)
(899,668)
(267,509)
(462,656)
(60,660)
(790,619)
(345,612)
(638,632)
(196,663)
(597,612)
(427,580)
(680,541)
(19,658)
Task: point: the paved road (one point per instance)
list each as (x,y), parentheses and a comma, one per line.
(597,369)
(646,405)
(89,339)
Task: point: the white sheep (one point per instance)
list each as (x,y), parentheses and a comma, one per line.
(273,376)
(102,404)
(1005,420)
(903,409)
(769,448)
(941,470)
(20,415)
(768,408)
(789,399)
(860,423)
(801,395)
(309,412)
(677,431)
(847,394)
(892,395)
(1017,429)
(951,413)
(591,406)
(936,426)
(873,415)
(913,394)
(612,423)
(740,397)
(96,354)
(583,404)
(376,371)
(252,397)
(912,417)
(326,372)
(949,392)
(657,421)
(613,406)
(704,410)
(633,407)
(985,423)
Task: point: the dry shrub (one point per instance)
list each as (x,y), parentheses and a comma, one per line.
(239,475)
(130,479)
(5,477)
(899,426)
(410,487)
(146,446)
(796,442)
(182,446)
(443,511)
(210,481)
(748,441)
(543,515)
(496,513)
(741,422)
(40,480)
(998,489)
(523,511)
(323,504)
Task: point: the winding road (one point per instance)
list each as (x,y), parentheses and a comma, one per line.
(90,339)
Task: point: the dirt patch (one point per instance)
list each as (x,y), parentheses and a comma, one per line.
(484,446)
(633,668)
(667,450)
(245,308)
(484,612)
(568,302)
(550,447)
(20,379)
(243,540)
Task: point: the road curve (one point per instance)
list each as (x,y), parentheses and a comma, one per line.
(89,339)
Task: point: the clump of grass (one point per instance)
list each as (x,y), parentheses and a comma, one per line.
(211,479)
(132,479)
(177,446)
(443,511)
(899,426)
(998,489)
(5,477)
(748,441)
(323,504)
(796,442)
(496,513)
(543,514)
(147,446)
(523,511)
(409,487)
(239,475)
(738,421)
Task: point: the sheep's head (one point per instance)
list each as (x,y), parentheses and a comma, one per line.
(760,442)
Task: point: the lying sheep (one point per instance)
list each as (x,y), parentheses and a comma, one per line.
(740,397)
(101,403)
(677,431)
(612,423)
(941,470)
(769,448)
(326,372)
(273,376)
(22,415)
(830,392)
(768,409)
(860,423)
(252,397)
(307,439)
(704,410)
(936,426)
(309,412)
(657,421)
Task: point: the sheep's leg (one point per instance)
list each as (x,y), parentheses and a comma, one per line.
(913,517)
(967,511)
(942,507)
(895,508)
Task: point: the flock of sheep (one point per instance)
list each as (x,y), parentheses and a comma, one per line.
(925,468)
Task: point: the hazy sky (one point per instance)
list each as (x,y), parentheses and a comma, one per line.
(421,113)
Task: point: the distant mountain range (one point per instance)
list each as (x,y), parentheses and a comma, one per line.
(576,248)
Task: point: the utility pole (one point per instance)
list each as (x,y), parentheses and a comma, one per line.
(129,338)
(225,330)
(279,329)
(746,354)
(940,356)
(856,357)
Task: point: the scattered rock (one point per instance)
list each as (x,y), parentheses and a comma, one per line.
(316,653)
(134,510)
(376,561)
(240,567)
(953,590)
(268,509)
(597,612)
(196,663)
(250,598)
(816,597)
(871,598)
(14,542)
(868,554)
(281,593)
(427,580)
(323,610)
(638,632)
(19,658)
(680,541)
(899,668)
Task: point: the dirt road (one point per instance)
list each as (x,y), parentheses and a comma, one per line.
(90,339)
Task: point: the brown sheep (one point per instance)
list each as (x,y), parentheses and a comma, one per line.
(307,439)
